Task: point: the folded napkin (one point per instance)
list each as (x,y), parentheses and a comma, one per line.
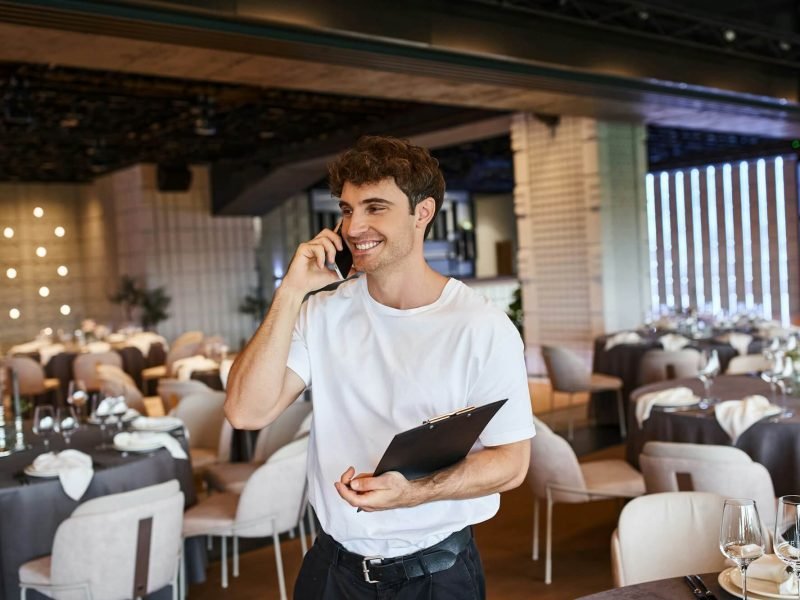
(74,470)
(144,340)
(736,416)
(113,405)
(740,341)
(145,440)
(154,423)
(672,342)
(49,351)
(98,347)
(769,568)
(623,337)
(184,367)
(676,396)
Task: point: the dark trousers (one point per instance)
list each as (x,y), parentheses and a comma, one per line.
(323,577)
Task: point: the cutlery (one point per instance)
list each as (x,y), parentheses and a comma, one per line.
(707,593)
(698,593)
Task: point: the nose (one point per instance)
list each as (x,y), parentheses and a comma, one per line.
(355,226)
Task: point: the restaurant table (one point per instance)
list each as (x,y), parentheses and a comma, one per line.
(773,443)
(663,589)
(623,361)
(31,509)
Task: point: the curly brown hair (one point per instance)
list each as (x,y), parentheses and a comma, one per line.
(375,158)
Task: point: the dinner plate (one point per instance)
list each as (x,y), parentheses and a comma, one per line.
(757,589)
(156,423)
(142,445)
(31,471)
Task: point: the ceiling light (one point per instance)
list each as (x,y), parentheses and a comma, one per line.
(48,330)
(729,35)
(38,212)
(11,273)
(14,313)
(65,309)
(62,270)
(59,231)
(41,252)
(8,232)
(44,291)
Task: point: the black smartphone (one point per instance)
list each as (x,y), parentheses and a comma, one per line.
(344,259)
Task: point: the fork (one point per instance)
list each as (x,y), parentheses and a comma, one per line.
(700,584)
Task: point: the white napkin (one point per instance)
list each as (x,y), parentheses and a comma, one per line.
(156,423)
(736,416)
(184,367)
(144,340)
(49,351)
(672,342)
(666,323)
(676,396)
(74,470)
(770,568)
(28,347)
(148,439)
(98,347)
(623,337)
(740,341)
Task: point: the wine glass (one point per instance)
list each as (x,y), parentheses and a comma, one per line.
(101,413)
(77,396)
(706,375)
(118,410)
(787,534)
(43,423)
(66,422)
(740,535)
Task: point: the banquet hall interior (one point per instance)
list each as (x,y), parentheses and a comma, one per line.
(622,181)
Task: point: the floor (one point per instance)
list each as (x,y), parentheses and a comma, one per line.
(581,560)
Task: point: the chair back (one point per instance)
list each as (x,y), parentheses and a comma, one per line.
(97,544)
(275,490)
(723,470)
(661,365)
(172,391)
(749,363)
(203,416)
(85,367)
(30,374)
(553,461)
(188,337)
(667,535)
(565,369)
(281,431)
(183,351)
(116,382)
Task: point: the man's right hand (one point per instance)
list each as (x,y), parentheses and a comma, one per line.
(307,271)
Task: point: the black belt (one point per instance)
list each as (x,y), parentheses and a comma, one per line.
(376,569)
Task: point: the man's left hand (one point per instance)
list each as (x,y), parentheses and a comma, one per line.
(390,490)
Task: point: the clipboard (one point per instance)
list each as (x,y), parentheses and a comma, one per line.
(437,443)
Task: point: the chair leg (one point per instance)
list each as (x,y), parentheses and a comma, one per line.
(276,542)
(301,525)
(23,592)
(622,416)
(548,561)
(209,542)
(183,575)
(224,565)
(535,528)
(570,429)
(235,556)
(552,416)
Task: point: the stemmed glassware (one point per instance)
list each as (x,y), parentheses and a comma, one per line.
(706,375)
(66,423)
(101,413)
(782,367)
(787,534)
(740,535)
(77,396)
(43,423)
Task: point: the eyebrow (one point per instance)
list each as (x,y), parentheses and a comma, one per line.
(368,201)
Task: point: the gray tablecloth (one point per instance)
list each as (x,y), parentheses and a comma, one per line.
(31,509)
(776,445)
(664,589)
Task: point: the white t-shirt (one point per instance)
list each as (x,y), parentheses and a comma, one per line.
(377,371)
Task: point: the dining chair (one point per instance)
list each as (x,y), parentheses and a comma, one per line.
(271,503)
(667,535)
(31,376)
(555,475)
(749,363)
(176,352)
(568,374)
(116,546)
(85,367)
(173,390)
(723,470)
(188,337)
(662,365)
(116,382)
(208,431)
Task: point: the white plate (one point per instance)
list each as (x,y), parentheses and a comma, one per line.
(156,424)
(142,444)
(757,589)
(30,471)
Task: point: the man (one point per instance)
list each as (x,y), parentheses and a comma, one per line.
(385,351)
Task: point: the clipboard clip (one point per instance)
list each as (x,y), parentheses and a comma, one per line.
(455,413)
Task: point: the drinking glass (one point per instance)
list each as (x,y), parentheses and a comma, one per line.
(707,375)
(43,423)
(66,422)
(77,396)
(740,535)
(787,534)
(101,412)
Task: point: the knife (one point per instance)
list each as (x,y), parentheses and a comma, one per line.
(698,593)
(700,584)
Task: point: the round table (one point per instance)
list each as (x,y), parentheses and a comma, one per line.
(663,589)
(31,509)
(774,444)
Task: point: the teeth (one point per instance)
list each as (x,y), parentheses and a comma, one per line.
(367,245)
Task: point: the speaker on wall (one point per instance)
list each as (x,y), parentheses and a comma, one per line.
(173,178)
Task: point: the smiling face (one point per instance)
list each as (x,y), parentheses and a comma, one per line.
(378,226)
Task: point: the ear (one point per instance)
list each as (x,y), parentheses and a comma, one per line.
(424,212)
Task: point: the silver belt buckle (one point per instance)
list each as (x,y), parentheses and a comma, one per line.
(365,567)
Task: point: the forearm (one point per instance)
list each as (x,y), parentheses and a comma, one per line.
(256,379)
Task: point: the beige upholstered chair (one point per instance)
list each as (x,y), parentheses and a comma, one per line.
(32,379)
(178,351)
(661,365)
(188,337)
(556,476)
(568,374)
(95,550)
(749,363)
(723,470)
(204,419)
(116,382)
(270,504)
(173,390)
(667,535)
(85,367)
(291,424)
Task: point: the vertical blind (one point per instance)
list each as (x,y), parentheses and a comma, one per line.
(723,238)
